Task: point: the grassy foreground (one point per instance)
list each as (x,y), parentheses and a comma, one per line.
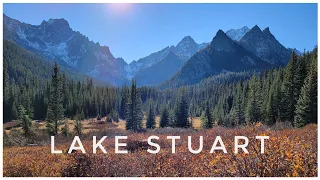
(288,152)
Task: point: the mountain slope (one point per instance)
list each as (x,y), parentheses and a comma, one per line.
(55,40)
(264,45)
(185,49)
(22,63)
(161,71)
(222,55)
(161,65)
(237,34)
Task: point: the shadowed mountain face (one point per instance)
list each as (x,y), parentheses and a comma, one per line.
(186,63)
(160,66)
(264,45)
(161,71)
(222,55)
(185,49)
(55,40)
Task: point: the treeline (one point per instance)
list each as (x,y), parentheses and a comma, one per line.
(288,94)
(229,99)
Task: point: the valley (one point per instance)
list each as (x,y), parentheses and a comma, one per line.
(238,103)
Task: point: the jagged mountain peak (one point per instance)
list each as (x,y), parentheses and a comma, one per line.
(106,49)
(187,39)
(220,36)
(237,34)
(222,42)
(266,30)
(56,40)
(265,46)
(186,47)
(256,28)
(58,24)
(244,28)
(220,33)
(223,54)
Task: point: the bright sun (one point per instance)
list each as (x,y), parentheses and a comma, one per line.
(119,8)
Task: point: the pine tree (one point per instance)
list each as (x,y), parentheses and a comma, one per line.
(289,90)
(55,108)
(306,109)
(299,75)
(238,107)
(164,121)
(203,120)
(253,113)
(25,121)
(218,112)
(65,129)
(14,111)
(181,111)
(151,121)
(208,115)
(134,113)
(273,106)
(78,122)
(124,100)
(6,85)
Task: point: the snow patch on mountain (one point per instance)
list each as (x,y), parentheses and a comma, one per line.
(237,34)
(186,48)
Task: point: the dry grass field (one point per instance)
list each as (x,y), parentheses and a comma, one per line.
(288,152)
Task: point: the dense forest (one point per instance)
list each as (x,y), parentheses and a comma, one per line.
(43,91)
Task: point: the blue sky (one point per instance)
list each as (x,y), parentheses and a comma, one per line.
(133,31)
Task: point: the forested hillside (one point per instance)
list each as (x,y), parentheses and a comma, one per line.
(229,99)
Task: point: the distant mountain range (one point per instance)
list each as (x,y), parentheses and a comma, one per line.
(222,55)
(55,40)
(186,63)
(160,66)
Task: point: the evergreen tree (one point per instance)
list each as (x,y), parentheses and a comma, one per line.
(253,113)
(78,122)
(239,108)
(164,121)
(124,100)
(14,111)
(65,129)
(134,113)
(181,111)
(306,109)
(25,121)
(208,115)
(55,109)
(289,90)
(273,106)
(151,121)
(6,93)
(203,120)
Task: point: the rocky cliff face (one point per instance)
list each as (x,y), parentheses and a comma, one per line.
(55,40)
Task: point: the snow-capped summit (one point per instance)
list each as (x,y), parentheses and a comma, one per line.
(186,48)
(55,40)
(168,60)
(237,34)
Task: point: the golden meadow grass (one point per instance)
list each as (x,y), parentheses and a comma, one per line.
(288,152)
